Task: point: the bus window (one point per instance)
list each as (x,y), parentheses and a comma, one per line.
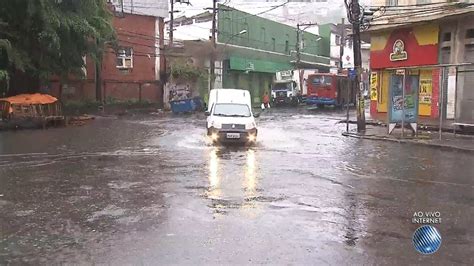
(322,80)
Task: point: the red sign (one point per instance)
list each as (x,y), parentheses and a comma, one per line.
(402,50)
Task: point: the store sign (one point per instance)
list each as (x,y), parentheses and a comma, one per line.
(399,53)
(347,61)
(373,86)
(400,72)
(425,91)
(287,74)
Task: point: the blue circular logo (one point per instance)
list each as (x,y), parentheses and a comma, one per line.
(427,239)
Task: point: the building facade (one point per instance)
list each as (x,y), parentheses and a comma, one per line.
(457,49)
(433,57)
(401,49)
(252,49)
(129,73)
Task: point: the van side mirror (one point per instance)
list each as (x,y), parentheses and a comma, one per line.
(207,113)
(256,115)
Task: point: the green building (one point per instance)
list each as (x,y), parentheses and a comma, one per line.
(251,49)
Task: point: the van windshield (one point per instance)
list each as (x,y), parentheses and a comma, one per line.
(232,109)
(282,86)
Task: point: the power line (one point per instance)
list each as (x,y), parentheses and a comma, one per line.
(259,13)
(417,5)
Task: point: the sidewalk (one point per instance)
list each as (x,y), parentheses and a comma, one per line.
(426,138)
(423,122)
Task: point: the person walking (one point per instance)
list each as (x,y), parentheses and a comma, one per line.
(266,100)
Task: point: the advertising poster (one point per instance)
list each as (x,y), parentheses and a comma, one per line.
(410,106)
(373,86)
(425,91)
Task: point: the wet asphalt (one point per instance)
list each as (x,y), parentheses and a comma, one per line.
(151,190)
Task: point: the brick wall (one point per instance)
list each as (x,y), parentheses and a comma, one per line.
(134,31)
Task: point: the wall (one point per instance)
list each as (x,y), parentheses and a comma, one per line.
(264,34)
(457,50)
(136,83)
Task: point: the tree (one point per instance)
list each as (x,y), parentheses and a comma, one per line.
(42,38)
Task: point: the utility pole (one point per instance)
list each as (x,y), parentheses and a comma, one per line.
(98,74)
(355,17)
(342,44)
(171,23)
(298,56)
(298,51)
(161,43)
(212,66)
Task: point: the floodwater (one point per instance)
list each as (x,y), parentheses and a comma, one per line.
(153,190)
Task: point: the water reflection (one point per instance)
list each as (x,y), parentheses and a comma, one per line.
(233,177)
(250,181)
(214,180)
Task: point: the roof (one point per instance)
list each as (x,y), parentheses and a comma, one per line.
(154,8)
(400,19)
(193,32)
(27,99)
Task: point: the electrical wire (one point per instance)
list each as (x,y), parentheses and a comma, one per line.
(260,13)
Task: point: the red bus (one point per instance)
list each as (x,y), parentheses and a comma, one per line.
(329,89)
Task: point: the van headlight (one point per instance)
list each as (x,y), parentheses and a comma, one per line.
(250,125)
(216,124)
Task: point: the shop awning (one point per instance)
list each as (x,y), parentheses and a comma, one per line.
(26,99)
(255,65)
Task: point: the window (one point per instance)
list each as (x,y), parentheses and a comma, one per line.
(391,2)
(349,43)
(287,46)
(470,34)
(302,44)
(125,57)
(273,44)
(230,109)
(262,35)
(322,80)
(247,35)
(447,37)
(338,40)
(423,2)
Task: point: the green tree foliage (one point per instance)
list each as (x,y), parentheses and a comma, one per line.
(50,37)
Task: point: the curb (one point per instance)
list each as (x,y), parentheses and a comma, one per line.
(421,127)
(407,141)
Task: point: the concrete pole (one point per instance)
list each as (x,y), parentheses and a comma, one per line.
(212,66)
(358,65)
(171,23)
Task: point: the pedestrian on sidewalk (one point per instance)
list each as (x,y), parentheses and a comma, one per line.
(266,100)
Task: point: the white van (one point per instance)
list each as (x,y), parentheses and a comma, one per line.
(230,117)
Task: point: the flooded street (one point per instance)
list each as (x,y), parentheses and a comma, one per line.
(153,190)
